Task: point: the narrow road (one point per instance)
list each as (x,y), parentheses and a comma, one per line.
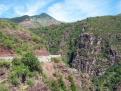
(40,58)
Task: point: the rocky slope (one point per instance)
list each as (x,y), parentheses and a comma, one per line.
(57,76)
(94,54)
(35,21)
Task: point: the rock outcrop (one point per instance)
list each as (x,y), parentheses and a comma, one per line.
(93,54)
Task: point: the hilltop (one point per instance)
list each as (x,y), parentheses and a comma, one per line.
(35,21)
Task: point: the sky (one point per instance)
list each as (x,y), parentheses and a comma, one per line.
(62,10)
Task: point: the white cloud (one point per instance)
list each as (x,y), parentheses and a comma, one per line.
(3,8)
(71,10)
(31,8)
(57,11)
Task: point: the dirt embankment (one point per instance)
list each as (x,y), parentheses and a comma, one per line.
(6,52)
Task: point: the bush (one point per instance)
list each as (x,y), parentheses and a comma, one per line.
(57,85)
(73,86)
(110,79)
(14,80)
(62,84)
(4,63)
(23,68)
(31,62)
(19,73)
(16,61)
(30,82)
(54,86)
(56,60)
(22,72)
(3,88)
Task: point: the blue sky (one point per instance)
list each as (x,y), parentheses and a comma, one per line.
(63,10)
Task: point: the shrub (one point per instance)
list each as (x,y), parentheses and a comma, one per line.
(19,73)
(22,72)
(54,86)
(4,63)
(31,62)
(14,80)
(56,60)
(73,86)
(62,84)
(23,68)
(16,61)
(30,82)
(57,85)
(110,79)
(3,88)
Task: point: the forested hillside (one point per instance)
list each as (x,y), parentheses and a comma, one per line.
(92,45)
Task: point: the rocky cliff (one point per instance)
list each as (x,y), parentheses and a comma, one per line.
(94,54)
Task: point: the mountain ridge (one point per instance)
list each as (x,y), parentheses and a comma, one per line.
(35,21)
(27,21)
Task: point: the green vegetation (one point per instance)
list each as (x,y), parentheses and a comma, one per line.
(14,80)
(56,34)
(58,85)
(5,64)
(16,38)
(110,79)
(54,86)
(62,39)
(23,68)
(62,84)
(73,86)
(56,60)
(36,20)
(8,24)
(30,82)
(30,61)
(3,88)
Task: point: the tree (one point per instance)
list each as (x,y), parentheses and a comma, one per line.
(31,62)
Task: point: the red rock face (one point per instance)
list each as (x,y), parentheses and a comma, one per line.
(41,52)
(6,52)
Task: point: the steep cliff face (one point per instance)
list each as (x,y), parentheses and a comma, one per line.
(93,54)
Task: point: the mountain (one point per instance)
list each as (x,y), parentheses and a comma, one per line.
(90,49)
(93,46)
(35,21)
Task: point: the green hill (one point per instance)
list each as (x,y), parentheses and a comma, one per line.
(18,38)
(35,21)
